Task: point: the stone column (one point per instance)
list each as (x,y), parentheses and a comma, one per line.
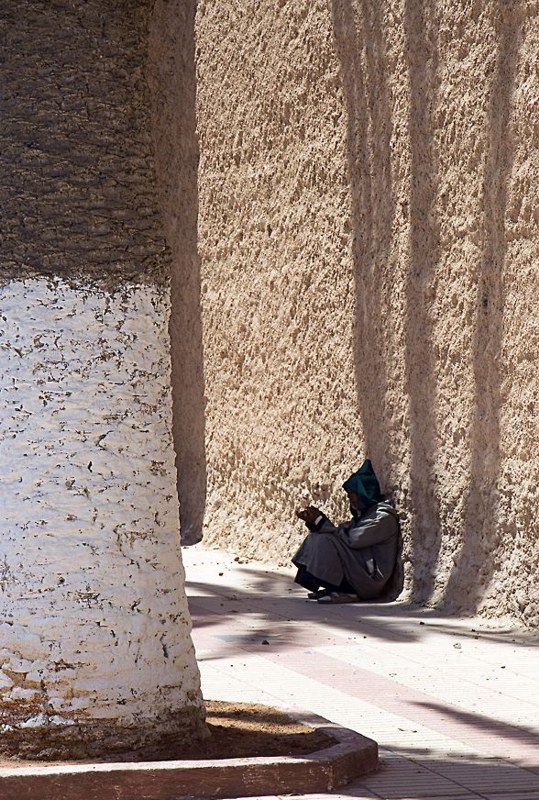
(95,648)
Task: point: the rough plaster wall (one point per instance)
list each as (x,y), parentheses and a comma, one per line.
(369,266)
(269,112)
(95,648)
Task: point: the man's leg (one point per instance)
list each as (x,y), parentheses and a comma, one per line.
(313,584)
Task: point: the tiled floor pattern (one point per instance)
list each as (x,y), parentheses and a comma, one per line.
(453,703)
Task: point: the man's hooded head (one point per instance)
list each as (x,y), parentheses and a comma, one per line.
(365,484)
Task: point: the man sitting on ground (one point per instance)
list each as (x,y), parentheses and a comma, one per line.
(354,560)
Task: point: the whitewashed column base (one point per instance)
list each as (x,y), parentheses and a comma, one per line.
(95,647)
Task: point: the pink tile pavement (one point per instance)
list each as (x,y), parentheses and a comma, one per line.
(453,703)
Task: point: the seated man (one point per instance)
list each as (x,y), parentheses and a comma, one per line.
(355,560)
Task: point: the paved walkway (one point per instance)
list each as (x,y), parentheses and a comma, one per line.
(453,703)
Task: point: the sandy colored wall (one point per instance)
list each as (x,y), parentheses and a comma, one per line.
(369,238)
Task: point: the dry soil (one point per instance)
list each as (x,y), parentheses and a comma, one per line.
(237,730)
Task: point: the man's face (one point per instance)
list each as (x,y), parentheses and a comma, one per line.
(355,502)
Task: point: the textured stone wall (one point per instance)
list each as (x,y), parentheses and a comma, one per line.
(369,243)
(95,648)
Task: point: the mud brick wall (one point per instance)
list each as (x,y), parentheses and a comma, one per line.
(369,242)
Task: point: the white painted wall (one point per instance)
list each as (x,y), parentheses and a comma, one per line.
(94,623)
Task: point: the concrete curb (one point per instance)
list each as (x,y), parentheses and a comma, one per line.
(352,755)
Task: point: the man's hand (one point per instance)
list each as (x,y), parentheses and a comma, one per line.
(309,514)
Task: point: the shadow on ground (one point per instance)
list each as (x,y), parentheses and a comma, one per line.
(271,609)
(408,772)
(247,609)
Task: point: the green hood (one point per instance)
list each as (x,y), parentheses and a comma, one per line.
(365,483)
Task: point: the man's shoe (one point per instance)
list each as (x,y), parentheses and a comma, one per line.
(318,594)
(338,597)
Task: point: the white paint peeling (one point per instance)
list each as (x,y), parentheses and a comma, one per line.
(92,599)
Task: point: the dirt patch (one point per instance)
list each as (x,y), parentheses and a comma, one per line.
(237,730)
(246,731)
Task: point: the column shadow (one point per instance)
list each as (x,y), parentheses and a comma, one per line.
(422,50)
(361,51)
(481,532)
(172,78)
(416,772)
